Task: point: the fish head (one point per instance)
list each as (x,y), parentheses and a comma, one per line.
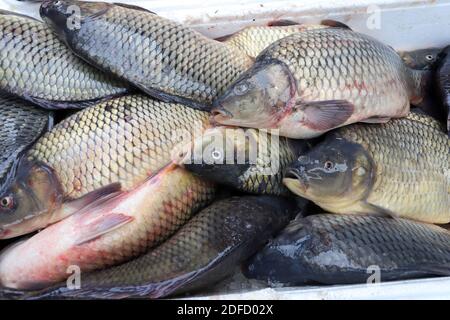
(281,260)
(221,154)
(259,98)
(422,59)
(67,16)
(31,197)
(334,171)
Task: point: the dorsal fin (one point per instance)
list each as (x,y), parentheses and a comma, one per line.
(334,24)
(282,23)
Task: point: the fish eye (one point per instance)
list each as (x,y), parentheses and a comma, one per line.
(241,88)
(429,57)
(328,165)
(7,202)
(216,154)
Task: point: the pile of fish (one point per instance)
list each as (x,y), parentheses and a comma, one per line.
(142,159)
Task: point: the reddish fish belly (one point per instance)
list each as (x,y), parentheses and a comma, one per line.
(120,228)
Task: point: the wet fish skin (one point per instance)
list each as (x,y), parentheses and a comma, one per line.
(398,169)
(313,81)
(443,80)
(112,146)
(38,67)
(205,250)
(170,62)
(341,249)
(422,59)
(250,160)
(121,228)
(21,123)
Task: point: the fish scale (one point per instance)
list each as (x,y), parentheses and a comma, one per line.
(335,249)
(37,66)
(168,60)
(122,140)
(256,179)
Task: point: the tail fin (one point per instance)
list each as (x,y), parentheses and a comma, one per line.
(421,83)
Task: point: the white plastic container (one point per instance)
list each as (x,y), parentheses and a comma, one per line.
(403,24)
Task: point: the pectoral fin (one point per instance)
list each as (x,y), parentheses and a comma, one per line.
(326,115)
(90,200)
(377,210)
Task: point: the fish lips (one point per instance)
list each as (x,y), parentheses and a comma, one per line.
(220,115)
(295,181)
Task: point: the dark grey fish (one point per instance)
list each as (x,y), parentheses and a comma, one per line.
(338,249)
(434,96)
(422,59)
(161,57)
(205,250)
(250,160)
(35,65)
(21,124)
(443,80)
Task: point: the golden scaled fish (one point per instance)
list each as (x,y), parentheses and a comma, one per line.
(313,81)
(113,146)
(400,169)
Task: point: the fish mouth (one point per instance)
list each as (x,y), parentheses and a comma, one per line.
(14,229)
(295,182)
(221,115)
